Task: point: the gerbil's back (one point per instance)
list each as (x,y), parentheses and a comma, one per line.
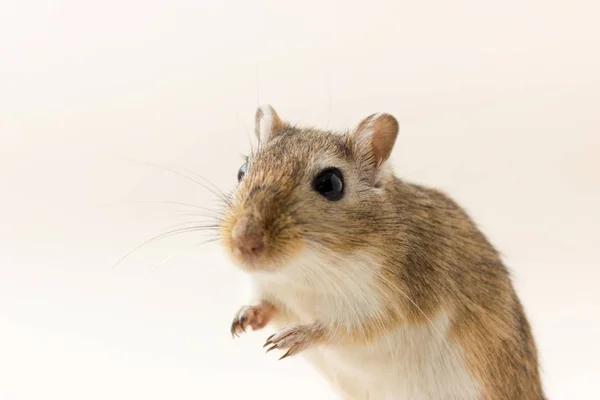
(451,264)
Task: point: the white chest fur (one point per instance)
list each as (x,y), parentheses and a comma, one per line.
(410,363)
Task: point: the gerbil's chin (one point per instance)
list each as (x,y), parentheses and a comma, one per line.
(251,262)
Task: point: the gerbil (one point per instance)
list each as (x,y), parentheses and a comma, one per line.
(388,288)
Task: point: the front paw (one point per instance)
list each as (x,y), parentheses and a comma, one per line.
(255,317)
(293,339)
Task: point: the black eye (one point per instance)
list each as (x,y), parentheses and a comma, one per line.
(242,171)
(330,184)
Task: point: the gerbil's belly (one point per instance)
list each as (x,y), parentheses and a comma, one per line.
(413,363)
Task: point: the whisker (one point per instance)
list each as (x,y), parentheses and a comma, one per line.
(178,203)
(185,213)
(250,142)
(171,256)
(208,182)
(257,91)
(174,232)
(330,102)
(205,212)
(194,223)
(220,195)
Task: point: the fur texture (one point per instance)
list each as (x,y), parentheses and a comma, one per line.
(392,291)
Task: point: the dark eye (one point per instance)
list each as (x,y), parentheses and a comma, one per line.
(242,171)
(329,183)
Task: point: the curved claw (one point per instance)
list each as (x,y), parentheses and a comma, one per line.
(237,324)
(253,317)
(272,348)
(268,342)
(291,340)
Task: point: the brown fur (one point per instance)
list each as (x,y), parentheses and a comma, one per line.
(433,255)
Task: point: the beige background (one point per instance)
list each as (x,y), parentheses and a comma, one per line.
(498,104)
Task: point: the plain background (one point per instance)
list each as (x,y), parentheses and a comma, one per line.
(498,104)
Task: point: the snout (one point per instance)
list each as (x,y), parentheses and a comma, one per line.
(248,239)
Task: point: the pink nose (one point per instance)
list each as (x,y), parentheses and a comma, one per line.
(247,236)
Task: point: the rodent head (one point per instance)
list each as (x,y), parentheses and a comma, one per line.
(307,189)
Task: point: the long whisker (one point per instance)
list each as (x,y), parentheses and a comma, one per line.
(196,214)
(250,142)
(193,223)
(197,175)
(257,91)
(330,102)
(178,203)
(171,256)
(164,235)
(220,195)
(205,211)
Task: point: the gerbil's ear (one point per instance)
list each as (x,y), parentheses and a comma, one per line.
(373,139)
(266,123)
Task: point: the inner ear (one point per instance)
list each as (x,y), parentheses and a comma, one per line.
(266,123)
(374,137)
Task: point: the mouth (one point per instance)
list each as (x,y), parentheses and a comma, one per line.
(246,260)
